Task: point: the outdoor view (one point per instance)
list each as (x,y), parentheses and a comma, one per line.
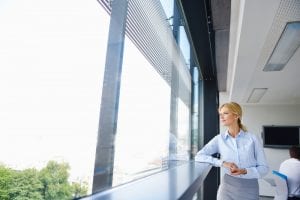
(52,56)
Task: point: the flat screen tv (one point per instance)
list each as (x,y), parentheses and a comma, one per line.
(281,136)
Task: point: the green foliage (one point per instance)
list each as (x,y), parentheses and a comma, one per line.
(5,182)
(26,185)
(50,183)
(54,178)
(79,189)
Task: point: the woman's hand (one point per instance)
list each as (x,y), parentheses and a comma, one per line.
(234,169)
(230,165)
(238,171)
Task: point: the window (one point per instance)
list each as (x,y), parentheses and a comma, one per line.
(52,57)
(153,68)
(143,120)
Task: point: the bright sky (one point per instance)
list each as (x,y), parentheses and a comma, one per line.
(51,62)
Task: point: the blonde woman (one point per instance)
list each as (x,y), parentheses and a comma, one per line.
(242,156)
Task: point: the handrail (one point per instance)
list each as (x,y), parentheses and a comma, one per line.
(180,183)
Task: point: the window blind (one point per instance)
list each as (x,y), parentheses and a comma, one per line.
(148,28)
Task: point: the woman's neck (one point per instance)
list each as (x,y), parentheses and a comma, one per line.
(234,130)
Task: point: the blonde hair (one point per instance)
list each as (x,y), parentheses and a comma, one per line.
(236,109)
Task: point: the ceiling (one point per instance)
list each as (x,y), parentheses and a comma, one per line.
(255,27)
(234,39)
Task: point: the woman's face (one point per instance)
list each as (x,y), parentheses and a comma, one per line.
(227,117)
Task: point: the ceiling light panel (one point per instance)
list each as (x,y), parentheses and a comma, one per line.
(286,47)
(256,95)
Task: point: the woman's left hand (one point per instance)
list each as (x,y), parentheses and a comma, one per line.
(238,171)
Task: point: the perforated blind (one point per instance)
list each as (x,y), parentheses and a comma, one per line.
(148,28)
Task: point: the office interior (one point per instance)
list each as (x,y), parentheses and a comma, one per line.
(163,70)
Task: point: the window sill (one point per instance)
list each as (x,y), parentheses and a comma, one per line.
(180,182)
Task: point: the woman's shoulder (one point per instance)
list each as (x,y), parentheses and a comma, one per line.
(217,137)
(251,135)
(222,135)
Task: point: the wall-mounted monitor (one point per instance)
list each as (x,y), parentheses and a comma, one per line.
(281,136)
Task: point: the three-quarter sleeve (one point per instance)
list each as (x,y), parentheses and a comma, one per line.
(205,154)
(261,168)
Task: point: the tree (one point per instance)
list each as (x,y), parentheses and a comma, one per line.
(54,178)
(26,185)
(50,183)
(79,189)
(5,182)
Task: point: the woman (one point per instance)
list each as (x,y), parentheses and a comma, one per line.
(242,157)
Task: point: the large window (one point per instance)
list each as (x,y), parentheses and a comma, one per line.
(153,125)
(52,57)
(143,122)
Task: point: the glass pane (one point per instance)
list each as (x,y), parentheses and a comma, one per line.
(195,112)
(184,45)
(168,6)
(143,120)
(183,137)
(52,57)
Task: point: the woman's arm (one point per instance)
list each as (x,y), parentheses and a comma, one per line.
(205,154)
(261,169)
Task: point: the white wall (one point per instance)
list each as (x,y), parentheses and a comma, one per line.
(255,117)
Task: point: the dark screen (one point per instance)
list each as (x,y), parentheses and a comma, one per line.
(281,136)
